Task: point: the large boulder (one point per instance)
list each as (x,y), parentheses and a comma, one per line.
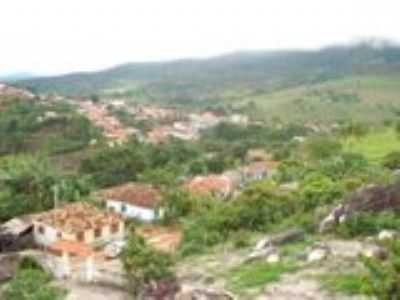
(8,266)
(372,198)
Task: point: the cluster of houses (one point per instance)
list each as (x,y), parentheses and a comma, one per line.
(230,182)
(112,128)
(77,238)
(10,91)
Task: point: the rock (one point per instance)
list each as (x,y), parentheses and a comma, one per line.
(292,235)
(372,198)
(263,243)
(386,235)
(289,236)
(375,251)
(9,265)
(190,293)
(318,254)
(273,258)
(260,254)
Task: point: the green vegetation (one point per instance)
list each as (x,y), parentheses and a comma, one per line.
(375,146)
(383,279)
(32,283)
(30,184)
(348,283)
(257,275)
(365,224)
(145,266)
(27,127)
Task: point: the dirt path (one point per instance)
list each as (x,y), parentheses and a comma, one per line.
(95,292)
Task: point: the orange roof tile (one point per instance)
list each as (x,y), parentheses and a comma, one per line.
(210,184)
(139,194)
(77,217)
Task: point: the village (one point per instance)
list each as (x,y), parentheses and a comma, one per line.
(81,242)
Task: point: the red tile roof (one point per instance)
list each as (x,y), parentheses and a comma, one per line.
(210,184)
(77,217)
(144,195)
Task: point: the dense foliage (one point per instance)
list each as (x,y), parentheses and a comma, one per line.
(145,266)
(30,184)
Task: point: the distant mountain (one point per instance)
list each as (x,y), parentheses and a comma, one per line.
(16,76)
(213,78)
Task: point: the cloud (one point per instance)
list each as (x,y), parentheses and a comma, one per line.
(48,36)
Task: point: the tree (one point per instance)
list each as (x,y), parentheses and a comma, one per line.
(145,267)
(322,147)
(27,185)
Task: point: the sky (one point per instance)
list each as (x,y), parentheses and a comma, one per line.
(61,36)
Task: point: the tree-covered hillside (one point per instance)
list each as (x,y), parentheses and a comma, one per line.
(210,79)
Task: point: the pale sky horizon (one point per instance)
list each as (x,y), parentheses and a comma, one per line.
(60,36)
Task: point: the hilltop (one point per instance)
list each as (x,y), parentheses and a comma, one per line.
(290,85)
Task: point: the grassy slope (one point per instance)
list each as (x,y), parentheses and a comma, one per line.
(375,145)
(378,99)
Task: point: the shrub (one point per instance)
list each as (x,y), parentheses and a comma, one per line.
(392,160)
(363,224)
(32,284)
(383,278)
(145,266)
(317,190)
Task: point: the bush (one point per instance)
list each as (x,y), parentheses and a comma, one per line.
(259,208)
(392,160)
(383,278)
(317,190)
(32,284)
(145,266)
(363,224)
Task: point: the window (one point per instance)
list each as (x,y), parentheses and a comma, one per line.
(114,228)
(41,230)
(97,232)
(124,208)
(80,236)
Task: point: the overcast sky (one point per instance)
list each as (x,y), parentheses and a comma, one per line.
(58,36)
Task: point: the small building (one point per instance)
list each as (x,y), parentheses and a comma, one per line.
(78,222)
(259,170)
(134,200)
(220,186)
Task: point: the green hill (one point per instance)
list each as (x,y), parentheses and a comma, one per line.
(358,81)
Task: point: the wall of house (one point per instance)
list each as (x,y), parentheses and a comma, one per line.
(50,235)
(44,235)
(132,211)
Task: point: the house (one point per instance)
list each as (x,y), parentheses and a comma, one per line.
(239,119)
(215,185)
(72,259)
(258,170)
(258,155)
(78,222)
(134,200)
(159,135)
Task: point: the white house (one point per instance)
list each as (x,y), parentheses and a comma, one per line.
(134,200)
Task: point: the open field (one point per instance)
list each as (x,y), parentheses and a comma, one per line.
(375,145)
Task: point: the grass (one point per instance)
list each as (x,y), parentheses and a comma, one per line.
(375,145)
(254,275)
(349,284)
(377,95)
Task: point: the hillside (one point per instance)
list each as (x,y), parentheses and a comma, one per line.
(209,79)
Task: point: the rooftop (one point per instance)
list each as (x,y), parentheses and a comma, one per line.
(144,195)
(210,184)
(77,217)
